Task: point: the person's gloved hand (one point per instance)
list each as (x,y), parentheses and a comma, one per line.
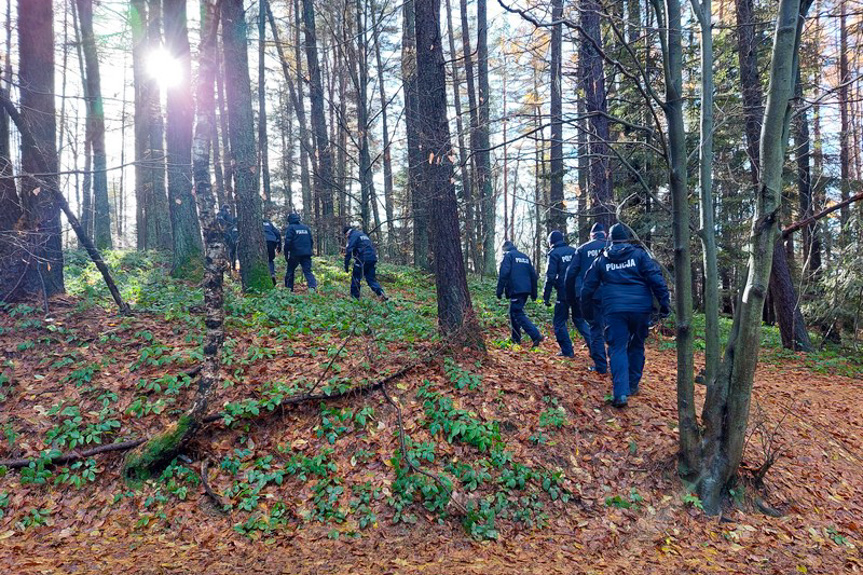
(664,311)
(346,269)
(499,296)
(546,303)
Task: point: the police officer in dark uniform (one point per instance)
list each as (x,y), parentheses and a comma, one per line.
(630,279)
(517,279)
(361,250)
(559,259)
(228,223)
(589,324)
(298,252)
(274,244)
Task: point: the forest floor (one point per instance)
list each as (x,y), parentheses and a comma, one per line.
(546,477)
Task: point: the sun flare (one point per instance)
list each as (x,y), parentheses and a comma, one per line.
(164,68)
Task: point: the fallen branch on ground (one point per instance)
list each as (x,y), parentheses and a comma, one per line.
(288,401)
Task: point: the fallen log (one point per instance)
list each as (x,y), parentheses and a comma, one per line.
(73,456)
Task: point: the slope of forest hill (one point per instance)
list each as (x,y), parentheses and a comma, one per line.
(546,477)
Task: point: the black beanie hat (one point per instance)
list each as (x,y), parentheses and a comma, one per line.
(508,246)
(294,218)
(597,230)
(555,237)
(346,229)
(619,233)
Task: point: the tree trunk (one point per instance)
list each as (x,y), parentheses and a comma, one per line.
(263,140)
(180,113)
(844,125)
(557,215)
(726,408)
(596,106)
(455,313)
(466,183)
(483,142)
(251,250)
(467,54)
(138,25)
(160,450)
(95,127)
(387,152)
(707,231)
(160,229)
(323,180)
(811,239)
(673,108)
(41,212)
(786,305)
(296,95)
(415,153)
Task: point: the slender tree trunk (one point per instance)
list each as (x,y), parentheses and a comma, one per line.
(415,153)
(251,250)
(297,104)
(160,229)
(473,109)
(726,408)
(792,326)
(810,237)
(707,231)
(673,109)
(455,313)
(95,126)
(596,104)
(157,452)
(186,228)
(263,140)
(143,185)
(10,207)
(483,141)
(223,125)
(387,152)
(41,212)
(86,204)
(366,180)
(557,216)
(323,181)
(844,125)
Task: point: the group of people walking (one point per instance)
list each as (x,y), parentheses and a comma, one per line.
(298,247)
(606,286)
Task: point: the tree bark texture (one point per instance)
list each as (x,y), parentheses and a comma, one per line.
(596,106)
(180,115)
(251,250)
(483,142)
(726,408)
(323,175)
(41,211)
(263,139)
(95,127)
(455,313)
(557,215)
(387,152)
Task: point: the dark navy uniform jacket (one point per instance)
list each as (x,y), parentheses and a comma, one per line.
(360,247)
(584,256)
(517,276)
(629,279)
(559,259)
(271,232)
(298,239)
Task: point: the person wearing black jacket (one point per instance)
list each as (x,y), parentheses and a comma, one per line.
(298,252)
(559,259)
(228,224)
(630,279)
(590,323)
(361,250)
(517,279)
(274,244)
